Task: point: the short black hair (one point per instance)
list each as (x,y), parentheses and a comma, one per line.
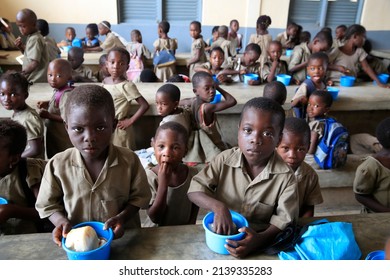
(76,52)
(324,37)
(319,55)
(354,29)
(165,26)
(94,28)
(122,51)
(327,29)
(71,28)
(298,126)
(174,126)
(43,27)
(172,91)
(103,59)
(305,36)
(263,20)
(233,20)
(195,22)
(383,133)
(90,96)
(217,49)
(198,77)
(215,29)
(14,135)
(253,47)
(16,79)
(325,96)
(342,26)
(267,105)
(275,90)
(148,76)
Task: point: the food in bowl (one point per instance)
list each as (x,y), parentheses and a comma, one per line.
(83,239)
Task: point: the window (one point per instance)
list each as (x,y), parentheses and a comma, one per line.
(157,10)
(320,13)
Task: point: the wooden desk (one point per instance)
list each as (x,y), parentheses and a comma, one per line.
(181,242)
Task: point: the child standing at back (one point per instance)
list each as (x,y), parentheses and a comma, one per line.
(123,92)
(234,36)
(198,55)
(80,72)
(290,37)
(292,149)
(35,53)
(59,75)
(250,179)
(51,45)
(138,53)
(111,182)
(213,38)
(273,66)
(13,95)
(262,37)
(164,42)
(170,179)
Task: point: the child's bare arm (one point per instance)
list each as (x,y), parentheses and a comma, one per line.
(62,227)
(186,101)
(371,202)
(157,209)
(271,75)
(53,117)
(195,58)
(202,69)
(306,211)
(117,222)
(34,148)
(43,104)
(367,68)
(33,65)
(313,142)
(143,107)
(229,101)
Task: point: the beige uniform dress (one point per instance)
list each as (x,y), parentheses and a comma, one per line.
(373,178)
(263,42)
(111,41)
(183,118)
(164,73)
(12,190)
(270,198)
(351,62)
(197,45)
(266,70)
(36,50)
(84,72)
(123,94)
(33,123)
(300,55)
(51,47)
(68,188)
(178,211)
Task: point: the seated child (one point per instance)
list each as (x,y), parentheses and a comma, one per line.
(375,63)
(13,95)
(103,72)
(91,41)
(316,69)
(234,37)
(111,182)
(340,35)
(273,65)
(51,45)
(250,179)
(262,37)
(214,36)
(206,140)
(275,90)
(299,59)
(170,179)
(222,42)
(80,72)
(198,55)
(289,38)
(305,37)
(70,35)
(372,181)
(7,38)
(19,181)
(292,149)
(112,39)
(138,53)
(247,64)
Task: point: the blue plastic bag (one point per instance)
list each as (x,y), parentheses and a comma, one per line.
(164,58)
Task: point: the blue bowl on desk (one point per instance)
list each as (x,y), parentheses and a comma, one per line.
(216,242)
(376,255)
(3,201)
(383,78)
(249,77)
(284,78)
(289,52)
(347,81)
(334,92)
(217,98)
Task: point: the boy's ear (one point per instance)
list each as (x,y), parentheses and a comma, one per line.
(194,91)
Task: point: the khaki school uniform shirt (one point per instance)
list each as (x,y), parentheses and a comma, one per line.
(308,185)
(266,70)
(270,198)
(236,64)
(300,54)
(85,72)
(67,187)
(111,41)
(36,50)
(351,62)
(227,47)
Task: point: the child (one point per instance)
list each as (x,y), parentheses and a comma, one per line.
(222,42)
(305,37)
(290,37)
(80,72)
(138,53)
(164,42)
(317,109)
(7,38)
(277,91)
(346,59)
(103,72)
(214,37)
(292,149)
(70,35)
(13,95)
(247,64)
(198,55)
(111,182)
(59,75)
(170,179)
(123,92)
(262,38)
(250,179)
(19,181)
(91,41)
(36,58)
(340,35)
(112,40)
(372,185)
(273,66)
(316,69)
(147,76)
(205,139)
(234,36)
(51,45)
(298,63)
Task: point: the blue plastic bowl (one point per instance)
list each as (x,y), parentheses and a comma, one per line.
(101,253)
(217,98)
(383,78)
(334,92)
(250,76)
(284,78)
(66,48)
(3,200)
(376,255)
(289,52)
(215,241)
(347,81)
(215,78)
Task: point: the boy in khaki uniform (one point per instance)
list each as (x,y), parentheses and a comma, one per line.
(95,180)
(250,179)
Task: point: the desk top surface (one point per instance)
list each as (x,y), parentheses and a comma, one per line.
(183,242)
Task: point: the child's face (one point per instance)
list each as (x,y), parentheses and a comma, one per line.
(216,59)
(194,31)
(258,135)
(235,26)
(250,58)
(90,131)
(102,29)
(274,52)
(206,90)
(359,40)
(169,147)
(12,97)
(292,31)
(135,37)
(116,64)
(293,149)
(26,26)
(165,106)
(56,77)
(215,35)
(316,107)
(75,60)
(319,46)
(340,33)
(316,69)
(89,34)
(70,34)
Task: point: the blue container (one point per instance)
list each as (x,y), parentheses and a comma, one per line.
(101,253)
(215,78)
(383,78)
(284,78)
(376,255)
(216,242)
(347,81)
(289,52)
(77,43)
(217,98)
(3,201)
(250,76)
(334,92)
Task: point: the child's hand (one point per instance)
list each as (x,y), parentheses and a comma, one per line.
(330,83)
(303,100)
(243,71)
(222,78)
(43,104)
(18,42)
(164,173)
(43,113)
(117,226)
(241,248)
(223,223)
(343,70)
(61,231)
(296,81)
(124,124)
(383,85)
(5,56)
(252,82)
